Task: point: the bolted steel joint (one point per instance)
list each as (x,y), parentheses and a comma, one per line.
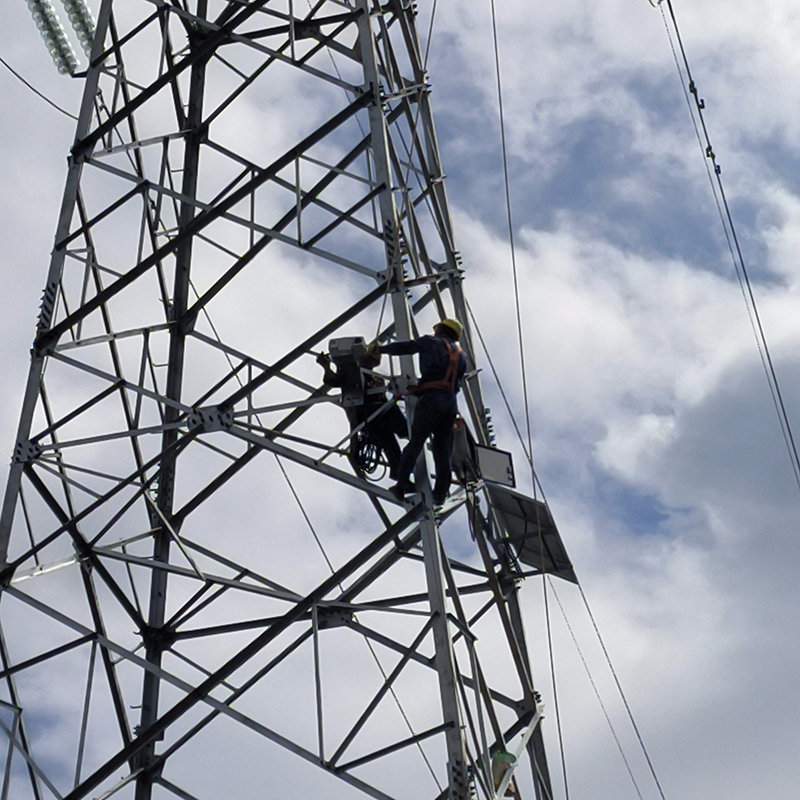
(25,452)
(210,419)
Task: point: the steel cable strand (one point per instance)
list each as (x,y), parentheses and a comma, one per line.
(621,693)
(596,690)
(523,376)
(366,640)
(553,671)
(737,256)
(511,232)
(35,90)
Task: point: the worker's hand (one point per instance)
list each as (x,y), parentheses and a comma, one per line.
(374,350)
(323,359)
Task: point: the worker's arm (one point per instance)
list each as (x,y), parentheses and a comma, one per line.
(404,348)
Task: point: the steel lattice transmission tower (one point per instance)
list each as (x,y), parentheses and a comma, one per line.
(249,180)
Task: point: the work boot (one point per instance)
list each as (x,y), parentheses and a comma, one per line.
(401,489)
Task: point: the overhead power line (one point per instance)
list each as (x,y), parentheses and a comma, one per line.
(35,90)
(696,109)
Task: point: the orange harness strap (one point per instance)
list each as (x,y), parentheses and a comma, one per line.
(448,383)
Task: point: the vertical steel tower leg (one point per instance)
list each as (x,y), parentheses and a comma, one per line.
(456,757)
(156,635)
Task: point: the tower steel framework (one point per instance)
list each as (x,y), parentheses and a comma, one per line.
(244,171)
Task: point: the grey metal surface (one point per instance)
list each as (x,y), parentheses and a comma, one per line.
(156,607)
(528,526)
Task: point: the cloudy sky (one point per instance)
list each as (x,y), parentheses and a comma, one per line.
(655,437)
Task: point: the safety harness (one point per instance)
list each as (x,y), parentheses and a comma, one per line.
(448,382)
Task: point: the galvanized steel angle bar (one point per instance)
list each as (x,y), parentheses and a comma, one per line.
(126,506)
(231,627)
(42,657)
(147,189)
(166,525)
(53,426)
(207,578)
(265,443)
(246,39)
(249,683)
(45,404)
(249,361)
(121,86)
(114,688)
(9,568)
(215,449)
(390,643)
(420,168)
(519,658)
(341,170)
(119,383)
(274,233)
(106,212)
(217,246)
(10,750)
(132,584)
(231,374)
(202,52)
(201,599)
(80,254)
(19,726)
(357,608)
(85,553)
(381,693)
(43,569)
(137,144)
(394,603)
(388,65)
(303,348)
(310,28)
(31,762)
(108,437)
(344,216)
(167,56)
(231,67)
(48,338)
(465,626)
(383,564)
(171,787)
(61,471)
(393,748)
(27,522)
(312,401)
(175,653)
(105,338)
(202,691)
(215,484)
(246,571)
(270,234)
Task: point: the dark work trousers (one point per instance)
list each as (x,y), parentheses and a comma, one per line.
(435,416)
(383,429)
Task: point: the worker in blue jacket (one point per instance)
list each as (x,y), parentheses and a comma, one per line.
(442,366)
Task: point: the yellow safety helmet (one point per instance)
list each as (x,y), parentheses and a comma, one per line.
(454,325)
